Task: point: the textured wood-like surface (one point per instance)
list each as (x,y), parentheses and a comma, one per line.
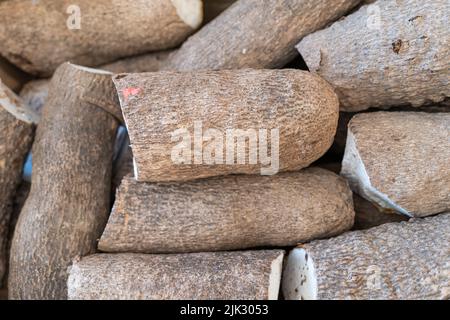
(16,137)
(35,35)
(400,160)
(35,92)
(406,260)
(69,200)
(399,57)
(149,62)
(19,200)
(300,105)
(196,276)
(256,34)
(234,212)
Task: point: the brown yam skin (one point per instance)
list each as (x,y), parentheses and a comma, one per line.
(256,34)
(389,54)
(35,92)
(19,200)
(240,275)
(233,212)
(405,156)
(36,37)
(395,261)
(69,200)
(148,62)
(16,137)
(301,106)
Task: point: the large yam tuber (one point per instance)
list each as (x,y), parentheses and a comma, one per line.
(189,125)
(240,275)
(395,261)
(228,213)
(38,36)
(390,53)
(16,136)
(256,34)
(400,161)
(69,200)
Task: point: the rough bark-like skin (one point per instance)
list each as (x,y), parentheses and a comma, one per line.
(234,212)
(340,139)
(405,156)
(69,200)
(36,37)
(256,34)
(407,260)
(403,62)
(149,62)
(11,76)
(19,200)
(368,215)
(196,276)
(301,106)
(35,92)
(16,137)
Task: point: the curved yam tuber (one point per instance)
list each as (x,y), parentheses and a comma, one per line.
(69,200)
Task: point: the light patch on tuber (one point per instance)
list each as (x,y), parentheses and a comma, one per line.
(275,277)
(354,169)
(300,280)
(190,11)
(15,106)
(91,70)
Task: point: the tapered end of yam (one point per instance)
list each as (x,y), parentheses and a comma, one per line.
(15,106)
(299,277)
(190,11)
(275,277)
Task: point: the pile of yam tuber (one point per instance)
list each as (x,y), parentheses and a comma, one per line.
(222,149)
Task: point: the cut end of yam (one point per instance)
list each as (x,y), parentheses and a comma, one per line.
(299,277)
(135,169)
(15,106)
(91,70)
(275,277)
(190,11)
(353,169)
